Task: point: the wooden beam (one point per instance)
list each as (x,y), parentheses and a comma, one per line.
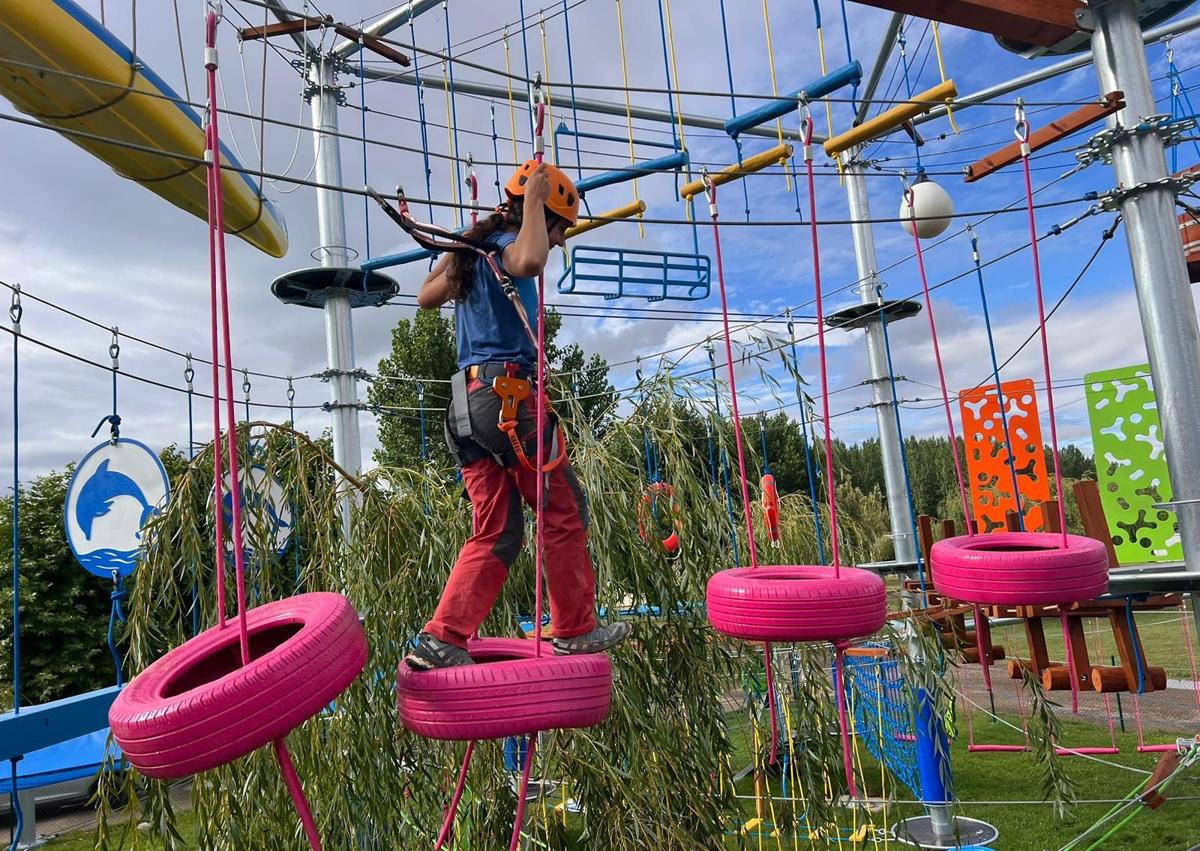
(282,28)
(1048,135)
(370,42)
(1091,511)
(1041,22)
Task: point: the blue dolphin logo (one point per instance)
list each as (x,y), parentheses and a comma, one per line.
(254,501)
(97,495)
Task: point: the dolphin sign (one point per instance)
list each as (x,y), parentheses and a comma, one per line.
(116,489)
(265,507)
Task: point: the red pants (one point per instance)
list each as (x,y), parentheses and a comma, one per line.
(496,493)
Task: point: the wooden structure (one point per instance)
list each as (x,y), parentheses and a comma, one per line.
(1041,22)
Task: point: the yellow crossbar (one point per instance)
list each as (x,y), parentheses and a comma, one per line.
(893,118)
(778,154)
(634,209)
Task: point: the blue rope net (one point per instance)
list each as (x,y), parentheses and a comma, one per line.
(883,713)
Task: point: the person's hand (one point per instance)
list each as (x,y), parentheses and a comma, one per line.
(537,188)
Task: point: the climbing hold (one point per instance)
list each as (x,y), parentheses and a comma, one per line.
(509,691)
(198,707)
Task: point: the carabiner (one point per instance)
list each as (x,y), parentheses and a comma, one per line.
(1021,127)
(710,189)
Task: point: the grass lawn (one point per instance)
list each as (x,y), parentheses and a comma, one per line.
(82,840)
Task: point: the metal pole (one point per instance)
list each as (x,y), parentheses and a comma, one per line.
(1160,275)
(940,820)
(333,252)
(881,397)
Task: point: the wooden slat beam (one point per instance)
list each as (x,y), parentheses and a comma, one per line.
(300,25)
(282,28)
(1041,22)
(1091,511)
(1048,135)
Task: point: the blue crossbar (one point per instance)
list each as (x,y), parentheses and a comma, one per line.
(37,727)
(819,88)
(668,163)
(389,260)
(637,273)
(563,130)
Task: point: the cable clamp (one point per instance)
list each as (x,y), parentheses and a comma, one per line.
(1169,129)
(330,407)
(710,189)
(15,310)
(246,382)
(358,373)
(1111,200)
(291,391)
(806,127)
(189,372)
(1021,127)
(210,59)
(114,348)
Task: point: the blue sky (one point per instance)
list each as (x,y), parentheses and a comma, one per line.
(73,232)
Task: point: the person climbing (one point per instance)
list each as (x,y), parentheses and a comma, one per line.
(496,326)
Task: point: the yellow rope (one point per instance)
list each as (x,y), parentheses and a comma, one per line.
(546,87)
(937,46)
(628,109)
(882,769)
(450,133)
(787,174)
(689,205)
(512,110)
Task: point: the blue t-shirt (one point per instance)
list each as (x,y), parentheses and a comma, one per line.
(488,328)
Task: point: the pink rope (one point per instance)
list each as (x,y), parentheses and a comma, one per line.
(843,721)
(452,810)
(1137,720)
(288,770)
(1187,642)
(521,795)
(540,503)
(807,126)
(217,218)
(982,645)
(737,417)
(937,356)
(1022,133)
(218,472)
(771,702)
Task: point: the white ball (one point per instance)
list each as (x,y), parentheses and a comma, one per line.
(932,208)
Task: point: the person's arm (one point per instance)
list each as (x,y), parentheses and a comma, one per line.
(435,291)
(526,257)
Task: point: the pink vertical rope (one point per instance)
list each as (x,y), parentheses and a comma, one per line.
(1187,642)
(1066,632)
(843,721)
(807,128)
(217,217)
(218,472)
(982,643)
(771,701)
(737,418)
(540,502)
(1022,133)
(521,795)
(452,810)
(288,770)
(1137,720)
(937,356)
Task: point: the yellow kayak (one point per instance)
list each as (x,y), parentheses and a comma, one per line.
(59,35)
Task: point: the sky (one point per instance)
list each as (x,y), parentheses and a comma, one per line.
(74,233)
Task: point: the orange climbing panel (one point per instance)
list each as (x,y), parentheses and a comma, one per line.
(991,482)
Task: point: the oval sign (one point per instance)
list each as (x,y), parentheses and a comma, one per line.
(266,510)
(114,492)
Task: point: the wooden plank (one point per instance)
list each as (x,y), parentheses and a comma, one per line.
(1095,524)
(925,535)
(372,43)
(1040,22)
(949,530)
(1047,135)
(1035,637)
(1012,521)
(1050,515)
(282,28)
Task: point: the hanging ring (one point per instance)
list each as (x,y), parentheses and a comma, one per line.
(15,309)
(189,372)
(246,382)
(114,348)
(1021,127)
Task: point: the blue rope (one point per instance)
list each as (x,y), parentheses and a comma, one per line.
(528,88)
(849,56)
(454,109)
(714,479)
(733,101)
(1137,645)
(987,321)
(14,311)
(118,594)
(908,91)
(362,102)
(412,32)
(662,29)
(912,507)
(571,79)
(113,419)
(291,397)
(808,458)
(1179,94)
(763,435)
(496,153)
(15,800)
(421,411)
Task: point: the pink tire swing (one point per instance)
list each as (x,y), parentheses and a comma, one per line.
(793,603)
(250,681)
(1013,568)
(516,687)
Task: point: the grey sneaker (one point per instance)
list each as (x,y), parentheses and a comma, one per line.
(597,641)
(430,652)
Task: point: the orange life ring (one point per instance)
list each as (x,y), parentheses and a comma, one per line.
(648,523)
(770,507)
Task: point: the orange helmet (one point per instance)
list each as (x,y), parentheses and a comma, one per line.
(564,197)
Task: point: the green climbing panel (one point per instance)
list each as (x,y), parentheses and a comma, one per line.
(1131,464)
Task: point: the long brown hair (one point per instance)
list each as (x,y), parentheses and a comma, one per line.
(460,273)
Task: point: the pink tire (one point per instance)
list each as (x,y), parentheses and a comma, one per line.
(796,603)
(507,692)
(197,707)
(1019,568)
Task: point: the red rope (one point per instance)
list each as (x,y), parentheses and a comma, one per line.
(1022,132)
(452,810)
(539,505)
(937,356)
